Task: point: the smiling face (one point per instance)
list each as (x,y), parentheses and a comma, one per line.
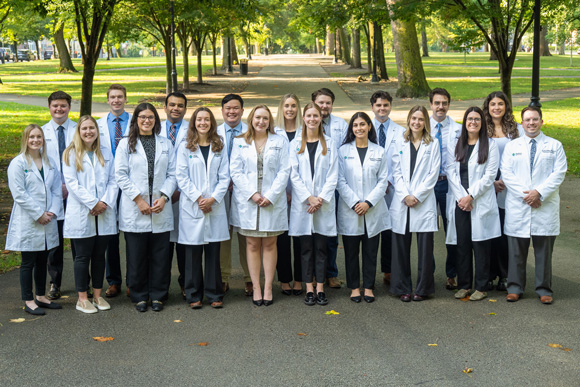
(35,140)
(417,124)
(360,128)
(146,122)
(117,101)
(439,107)
(232,113)
(324,102)
(203,123)
(175,109)
(59,109)
(290,109)
(382,109)
(473,124)
(532,123)
(496,108)
(261,121)
(312,119)
(88,132)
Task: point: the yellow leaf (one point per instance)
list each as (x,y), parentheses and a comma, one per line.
(567,349)
(177,321)
(432,345)
(302,334)
(17,320)
(64,296)
(555,345)
(103,339)
(492,314)
(492,300)
(202,344)
(467,370)
(332,312)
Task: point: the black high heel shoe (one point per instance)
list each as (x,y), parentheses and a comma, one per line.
(287,292)
(259,302)
(268,302)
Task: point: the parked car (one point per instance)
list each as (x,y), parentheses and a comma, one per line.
(47,55)
(25,55)
(7,53)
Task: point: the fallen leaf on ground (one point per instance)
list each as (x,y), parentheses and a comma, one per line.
(103,339)
(302,334)
(177,321)
(492,314)
(64,296)
(202,344)
(331,312)
(467,371)
(567,349)
(555,345)
(17,320)
(492,300)
(464,299)
(432,345)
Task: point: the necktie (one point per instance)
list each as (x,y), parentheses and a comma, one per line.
(118,132)
(532,154)
(61,143)
(231,142)
(438,136)
(172,134)
(325,126)
(382,136)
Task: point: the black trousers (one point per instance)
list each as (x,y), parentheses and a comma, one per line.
(33,265)
(370,247)
(314,252)
(498,264)
(466,250)
(518,256)
(284,264)
(55,257)
(148,265)
(386,250)
(180,252)
(195,285)
(90,252)
(114,276)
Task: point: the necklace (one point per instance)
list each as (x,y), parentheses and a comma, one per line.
(261,146)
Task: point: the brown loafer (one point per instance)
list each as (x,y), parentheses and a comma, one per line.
(512,297)
(547,300)
(195,305)
(450,284)
(387,279)
(334,283)
(249,289)
(113,291)
(225,286)
(217,304)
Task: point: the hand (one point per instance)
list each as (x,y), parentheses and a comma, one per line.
(533,198)
(142,205)
(361,208)
(264,202)
(498,185)
(288,197)
(411,201)
(314,204)
(98,209)
(158,205)
(256,198)
(205,204)
(64,192)
(466,203)
(45,218)
(175,196)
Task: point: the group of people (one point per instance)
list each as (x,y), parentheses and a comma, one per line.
(287,186)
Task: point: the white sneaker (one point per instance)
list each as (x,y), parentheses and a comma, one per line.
(86,307)
(101,304)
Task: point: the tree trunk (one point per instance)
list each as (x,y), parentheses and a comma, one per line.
(562,49)
(318,46)
(87,85)
(185,51)
(38,50)
(486,47)
(366,29)
(424,44)
(506,80)
(356,61)
(198,42)
(544,46)
(492,54)
(224,44)
(412,81)
(168,64)
(345,46)
(233,51)
(329,42)
(381,64)
(338,44)
(66,64)
(214,54)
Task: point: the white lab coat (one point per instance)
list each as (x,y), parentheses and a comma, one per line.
(243,171)
(485,223)
(195,179)
(304,185)
(394,132)
(549,171)
(357,183)
(132,178)
(86,188)
(181,136)
(32,197)
(104,134)
(283,133)
(501,142)
(423,217)
(336,130)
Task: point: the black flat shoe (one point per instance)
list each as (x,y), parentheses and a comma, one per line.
(406,298)
(356,299)
(52,305)
(157,306)
(502,285)
(489,285)
(268,302)
(287,292)
(417,297)
(141,306)
(310,299)
(297,292)
(369,299)
(321,298)
(258,302)
(34,312)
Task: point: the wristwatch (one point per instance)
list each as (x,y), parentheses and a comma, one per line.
(165,197)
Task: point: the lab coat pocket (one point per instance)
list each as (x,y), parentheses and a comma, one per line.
(193,210)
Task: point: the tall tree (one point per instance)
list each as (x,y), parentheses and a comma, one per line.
(544,45)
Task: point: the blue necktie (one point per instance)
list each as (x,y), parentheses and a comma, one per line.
(382,136)
(438,137)
(61,143)
(231,142)
(532,155)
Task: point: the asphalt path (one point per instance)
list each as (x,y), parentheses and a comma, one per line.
(289,343)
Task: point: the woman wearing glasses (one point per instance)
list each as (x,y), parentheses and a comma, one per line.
(474,219)
(145,172)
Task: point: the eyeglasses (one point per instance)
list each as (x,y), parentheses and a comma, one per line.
(145,118)
(472,119)
(535,119)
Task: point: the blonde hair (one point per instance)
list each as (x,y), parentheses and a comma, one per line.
(79,148)
(250,134)
(193,136)
(426,129)
(24,145)
(312,105)
(280,121)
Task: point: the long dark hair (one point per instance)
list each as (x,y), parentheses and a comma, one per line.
(350,137)
(508,123)
(134,127)
(193,136)
(462,146)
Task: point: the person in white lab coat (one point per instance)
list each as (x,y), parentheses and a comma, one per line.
(501,128)
(416,166)
(472,210)
(289,124)
(533,169)
(145,172)
(362,211)
(312,214)
(58,134)
(35,185)
(91,217)
(259,170)
(335,128)
(202,174)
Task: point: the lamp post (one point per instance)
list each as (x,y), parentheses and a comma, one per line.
(535,99)
(174,65)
